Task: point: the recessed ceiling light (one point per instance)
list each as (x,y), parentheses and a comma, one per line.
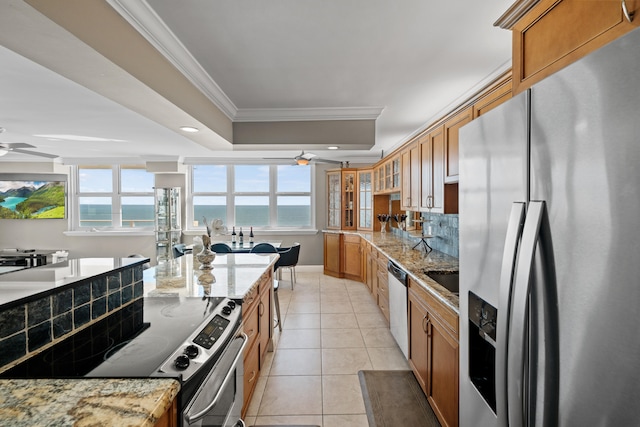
(333,147)
(189,129)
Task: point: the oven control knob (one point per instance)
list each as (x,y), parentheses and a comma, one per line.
(181,363)
(231,304)
(226,310)
(191,351)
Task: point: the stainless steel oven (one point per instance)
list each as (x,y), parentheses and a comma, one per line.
(218,400)
(197,341)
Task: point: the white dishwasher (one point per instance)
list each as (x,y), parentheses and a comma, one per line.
(398,306)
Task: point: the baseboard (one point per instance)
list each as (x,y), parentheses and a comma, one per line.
(309,268)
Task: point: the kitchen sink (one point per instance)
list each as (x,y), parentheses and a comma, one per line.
(447,279)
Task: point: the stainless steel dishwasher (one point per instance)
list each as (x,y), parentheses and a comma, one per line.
(398,306)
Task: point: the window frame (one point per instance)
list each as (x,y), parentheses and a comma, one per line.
(116,195)
(230,195)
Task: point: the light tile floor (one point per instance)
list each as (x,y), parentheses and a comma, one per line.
(332,328)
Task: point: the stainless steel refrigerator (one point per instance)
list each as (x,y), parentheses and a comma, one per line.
(550,250)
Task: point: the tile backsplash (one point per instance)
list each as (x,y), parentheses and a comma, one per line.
(27,328)
(445,228)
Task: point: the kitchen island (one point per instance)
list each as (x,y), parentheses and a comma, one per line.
(232,276)
(85,285)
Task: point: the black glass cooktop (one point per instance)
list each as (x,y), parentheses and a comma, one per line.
(132,342)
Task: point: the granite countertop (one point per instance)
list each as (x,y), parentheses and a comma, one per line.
(232,276)
(30,282)
(415,262)
(85,402)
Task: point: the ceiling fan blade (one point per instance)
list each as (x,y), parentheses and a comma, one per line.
(33,153)
(337,162)
(307,156)
(12,145)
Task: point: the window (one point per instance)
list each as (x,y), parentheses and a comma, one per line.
(114,197)
(259,196)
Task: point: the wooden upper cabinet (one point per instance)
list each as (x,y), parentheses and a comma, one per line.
(432,170)
(495,95)
(410,197)
(451,140)
(556,33)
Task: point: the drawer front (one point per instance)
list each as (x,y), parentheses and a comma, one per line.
(251,326)
(251,374)
(383,303)
(444,315)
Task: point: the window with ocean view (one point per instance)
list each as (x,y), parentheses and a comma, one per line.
(114,197)
(259,196)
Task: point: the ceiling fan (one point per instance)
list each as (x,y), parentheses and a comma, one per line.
(17,147)
(304,159)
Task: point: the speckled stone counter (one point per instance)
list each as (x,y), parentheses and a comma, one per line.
(85,402)
(415,262)
(232,276)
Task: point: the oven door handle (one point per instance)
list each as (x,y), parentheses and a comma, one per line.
(193,418)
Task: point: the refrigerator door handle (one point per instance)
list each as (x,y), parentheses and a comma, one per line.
(518,315)
(513,235)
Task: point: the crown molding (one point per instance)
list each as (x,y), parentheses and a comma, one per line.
(140,16)
(455,104)
(514,13)
(307,114)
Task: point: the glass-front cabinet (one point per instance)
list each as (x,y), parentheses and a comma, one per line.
(350,200)
(342,199)
(167,220)
(365,200)
(386,177)
(334,196)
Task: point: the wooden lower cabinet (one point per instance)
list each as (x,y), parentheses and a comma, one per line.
(383,286)
(434,352)
(264,321)
(170,416)
(258,326)
(332,258)
(343,256)
(352,257)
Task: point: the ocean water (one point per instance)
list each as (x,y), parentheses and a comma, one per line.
(246,216)
(257,216)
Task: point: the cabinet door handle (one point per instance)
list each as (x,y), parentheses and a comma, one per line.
(425,322)
(627,14)
(253,376)
(261,308)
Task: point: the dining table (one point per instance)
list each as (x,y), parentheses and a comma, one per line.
(245,247)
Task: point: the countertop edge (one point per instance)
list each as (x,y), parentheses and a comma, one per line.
(443,295)
(92,401)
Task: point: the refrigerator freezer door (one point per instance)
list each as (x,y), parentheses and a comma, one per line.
(585,157)
(493,175)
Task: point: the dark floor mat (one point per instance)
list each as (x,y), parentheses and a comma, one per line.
(394,398)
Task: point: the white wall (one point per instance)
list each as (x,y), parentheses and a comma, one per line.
(49,234)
